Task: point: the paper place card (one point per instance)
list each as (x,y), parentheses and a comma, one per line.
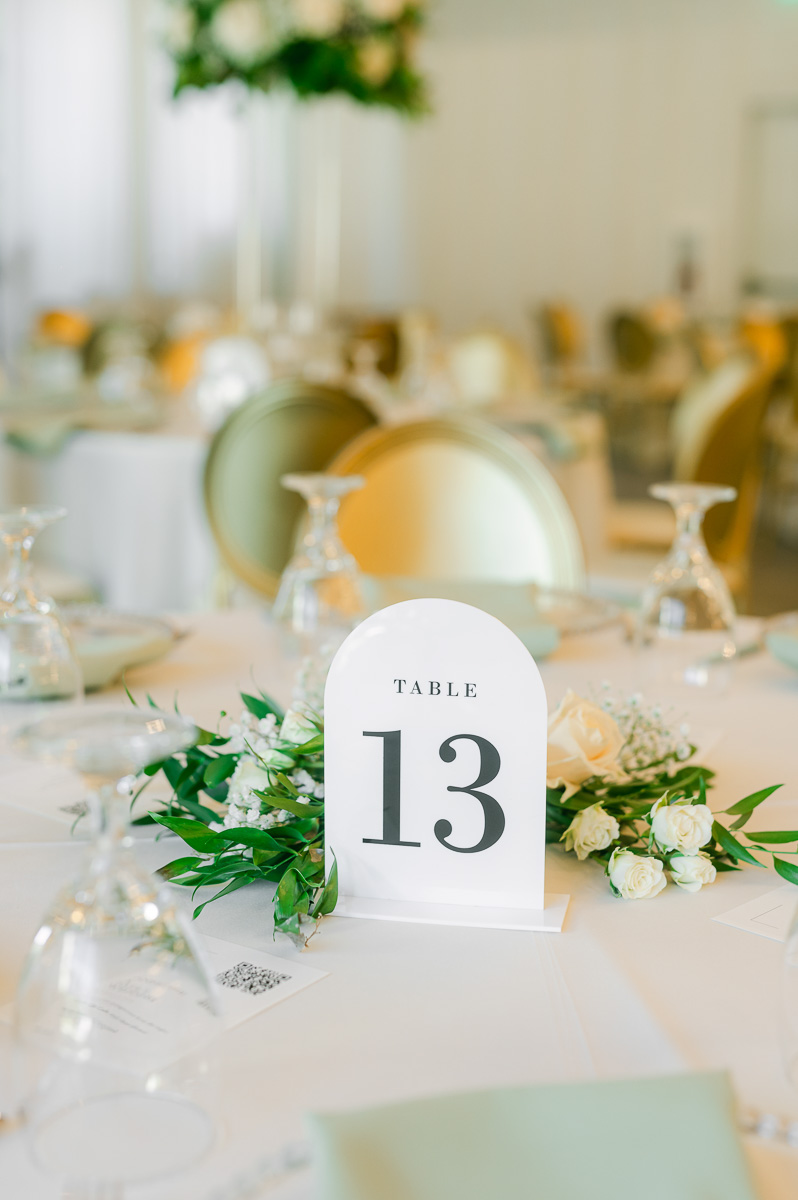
(134,1022)
(251,981)
(769,915)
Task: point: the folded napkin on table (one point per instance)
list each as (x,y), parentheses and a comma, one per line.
(672,1138)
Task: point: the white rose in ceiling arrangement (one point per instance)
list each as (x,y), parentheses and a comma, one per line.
(376,59)
(383,10)
(246,31)
(317,18)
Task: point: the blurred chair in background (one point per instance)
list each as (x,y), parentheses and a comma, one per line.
(293,426)
(716,430)
(650,368)
(489,368)
(456,499)
(563,346)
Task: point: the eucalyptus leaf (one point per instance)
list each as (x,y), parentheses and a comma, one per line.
(732,847)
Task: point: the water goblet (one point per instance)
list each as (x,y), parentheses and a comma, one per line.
(320,599)
(37,657)
(687,614)
(115,1009)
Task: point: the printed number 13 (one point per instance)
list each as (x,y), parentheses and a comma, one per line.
(489,766)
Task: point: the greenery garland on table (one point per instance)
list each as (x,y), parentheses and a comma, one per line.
(360,48)
(620,789)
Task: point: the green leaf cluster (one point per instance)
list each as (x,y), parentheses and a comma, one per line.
(631,802)
(289,854)
(313,66)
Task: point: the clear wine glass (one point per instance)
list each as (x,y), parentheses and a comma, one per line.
(320,599)
(687,613)
(37,657)
(115,1009)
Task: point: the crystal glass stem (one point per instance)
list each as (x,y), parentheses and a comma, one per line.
(18,590)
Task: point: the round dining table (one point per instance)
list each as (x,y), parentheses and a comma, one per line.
(628,989)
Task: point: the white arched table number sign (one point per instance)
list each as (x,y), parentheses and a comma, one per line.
(435,771)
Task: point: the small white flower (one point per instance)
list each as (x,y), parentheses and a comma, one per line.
(302,780)
(681,826)
(692,871)
(317,18)
(591,829)
(634,877)
(246,31)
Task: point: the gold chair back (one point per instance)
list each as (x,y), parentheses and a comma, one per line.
(457,499)
(634,341)
(561,334)
(292,426)
(716,428)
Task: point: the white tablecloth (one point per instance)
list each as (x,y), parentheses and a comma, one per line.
(136,529)
(409,1010)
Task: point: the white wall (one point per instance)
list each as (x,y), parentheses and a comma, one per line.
(572,142)
(575,139)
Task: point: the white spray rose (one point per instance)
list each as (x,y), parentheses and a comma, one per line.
(249,775)
(635,877)
(317,18)
(692,871)
(247,30)
(591,829)
(681,826)
(376,59)
(297,728)
(383,10)
(583,740)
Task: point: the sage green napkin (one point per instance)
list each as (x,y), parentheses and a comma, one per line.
(673,1138)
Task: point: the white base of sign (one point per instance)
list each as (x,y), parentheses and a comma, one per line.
(549,919)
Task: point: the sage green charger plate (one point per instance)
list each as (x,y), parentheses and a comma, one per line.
(107,643)
(782,642)
(291,426)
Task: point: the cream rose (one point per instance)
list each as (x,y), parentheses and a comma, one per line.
(692,871)
(583,741)
(591,829)
(376,59)
(383,10)
(247,30)
(317,18)
(634,877)
(681,826)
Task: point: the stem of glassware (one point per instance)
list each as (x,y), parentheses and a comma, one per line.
(689,519)
(108,809)
(323,511)
(18,583)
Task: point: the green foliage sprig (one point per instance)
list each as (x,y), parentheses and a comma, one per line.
(283,845)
